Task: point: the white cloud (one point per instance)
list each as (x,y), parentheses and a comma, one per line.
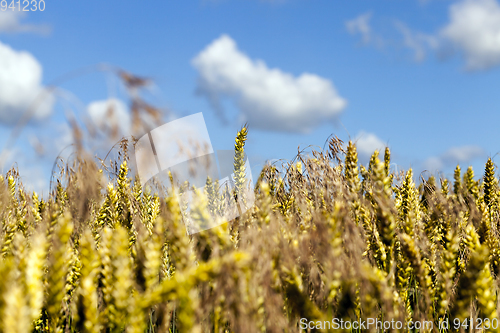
(417,42)
(474,29)
(7,159)
(454,156)
(32,176)
(61,137)
(36,152)
(10,22)
(20,86)
(34,179)
(268,98)
(361,25)
(110,114)
(366,144)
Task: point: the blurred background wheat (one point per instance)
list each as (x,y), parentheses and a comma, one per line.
(327,238)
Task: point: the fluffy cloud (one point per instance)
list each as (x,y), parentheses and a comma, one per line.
(268,98)
(474,29)
(361,26)
(454,156)
(366,144)
(417,42)
(34,173)
(20,86)
(110,114)
(10,22)
(60,138)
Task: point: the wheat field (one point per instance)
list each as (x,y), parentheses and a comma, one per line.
(327,238)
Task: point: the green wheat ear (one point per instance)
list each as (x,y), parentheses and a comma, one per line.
(408,204)
(34,272)
(37,209)
(58,270)
(490,183)
(351,171)
(476,282)
(123,191)
(239,164)
(387,163)
(86,303)
(457,184)
(470,184)
(445,187)
(212,192)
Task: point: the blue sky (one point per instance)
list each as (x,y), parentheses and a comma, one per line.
(419,76)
